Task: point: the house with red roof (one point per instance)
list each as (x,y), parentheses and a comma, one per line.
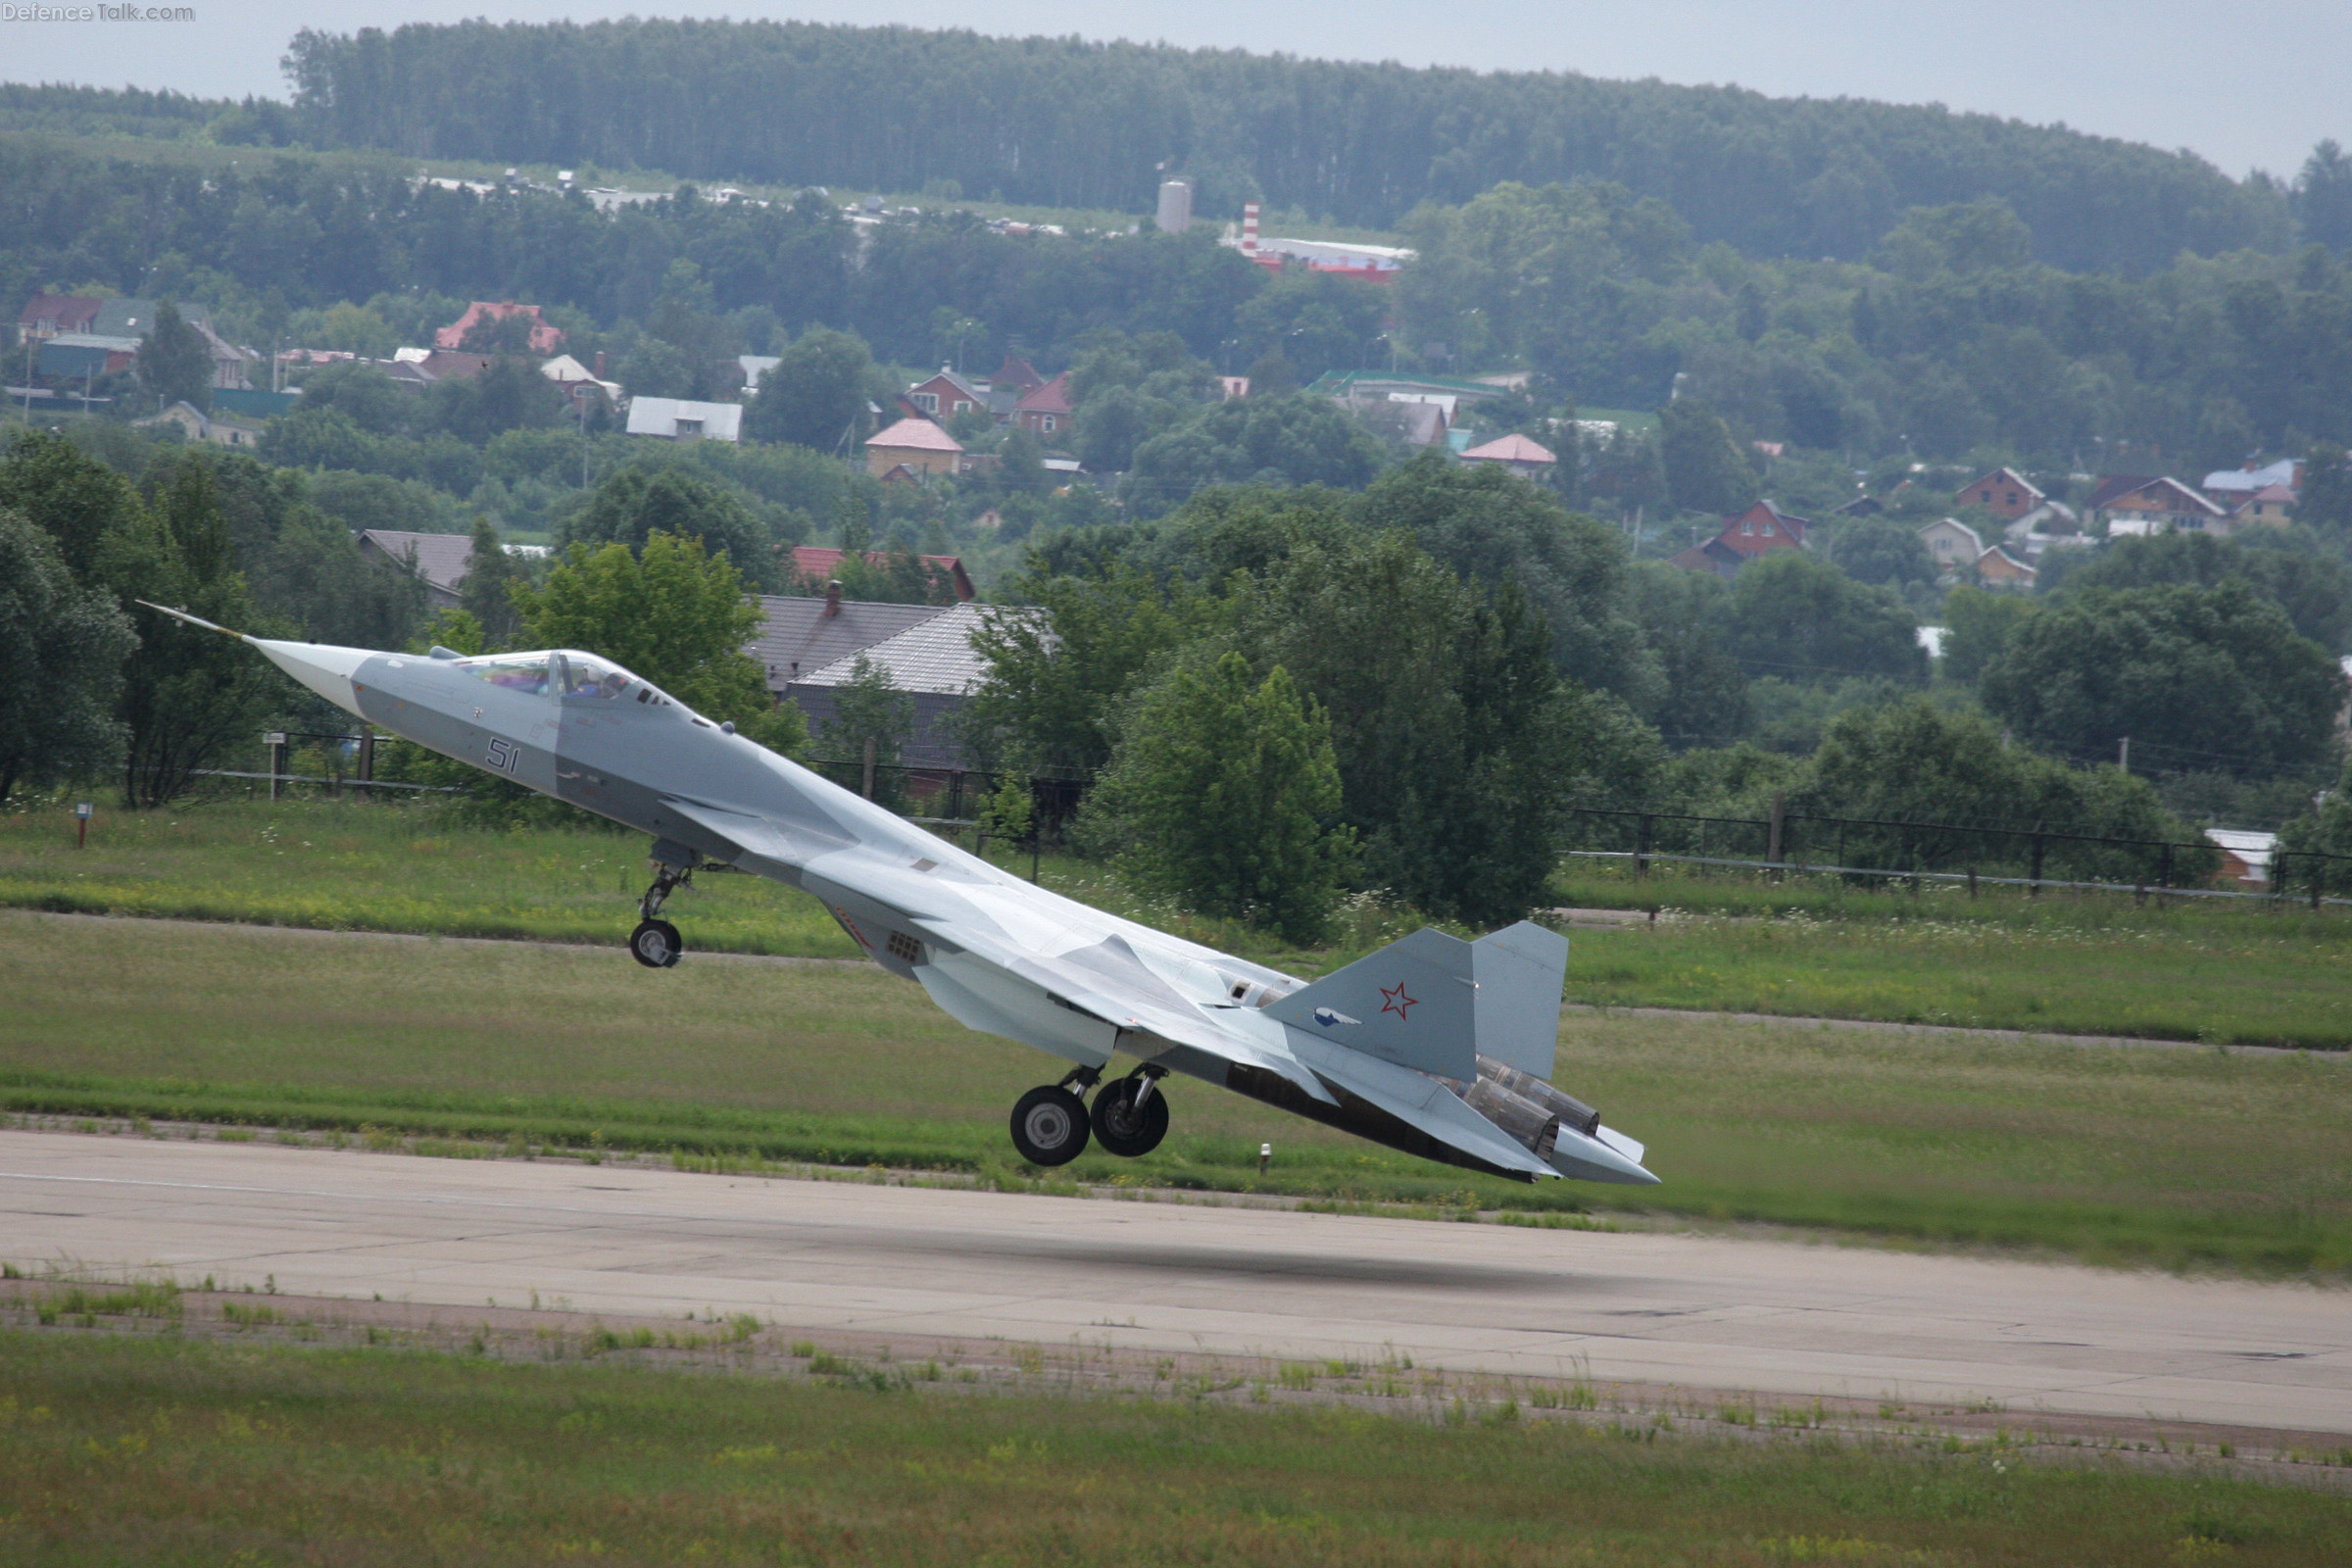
(1045,411)
(545,337)
(1516,452)
(2156,505)
(948,394)
(48,315)
(1758,531)
(914,448)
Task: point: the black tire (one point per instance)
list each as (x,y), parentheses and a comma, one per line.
(656,944)
(1049,1126)
(1124,1129)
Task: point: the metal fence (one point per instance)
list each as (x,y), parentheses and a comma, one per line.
(1883,850)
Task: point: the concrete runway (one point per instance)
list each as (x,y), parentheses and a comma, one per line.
(1697,1312)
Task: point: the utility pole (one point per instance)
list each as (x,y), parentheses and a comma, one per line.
(2123,754)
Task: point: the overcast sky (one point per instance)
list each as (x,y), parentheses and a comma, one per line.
(2174,72)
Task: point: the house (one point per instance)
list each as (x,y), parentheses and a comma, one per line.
(577,380)
(948,394)
(2161,506)
(2227,487)
(439,560)
(933,661)
(919,446)
(1997,568)
(86,355)
(1955,546)
(815,563)
(221,428)
(683,419)
(1017,376)
(2245,857)
(1515,453)
(2052,525)
(46,315)
(1045,410)
(2004,492)
(1230,387)
(135,317)
(2266,506)
(1759,530)
(545,337)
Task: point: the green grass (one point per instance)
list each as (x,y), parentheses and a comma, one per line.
(120,1449)
(2241,974)
(2180,1157)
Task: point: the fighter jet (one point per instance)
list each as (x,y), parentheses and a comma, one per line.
(1432,1045)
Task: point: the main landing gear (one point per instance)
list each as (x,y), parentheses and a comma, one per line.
(1051,1124)
(656,943)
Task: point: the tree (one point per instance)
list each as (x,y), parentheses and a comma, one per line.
(869,711)
(1704,470)
(1055,674)
(1225,790)
(62,648)
(175,361)
(629,505)
(1803,620)
(1683,616)
(510,394)
(78,501)
(488,592)
(674,614)
(1877,551)
(816,393)
(1494,527)
(2199,678)
(2322,196)
(2327,500)
(1293,440)
(1977,624)
(188,696)
(2313,588)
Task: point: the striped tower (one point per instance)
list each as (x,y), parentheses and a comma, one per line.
(1248,229)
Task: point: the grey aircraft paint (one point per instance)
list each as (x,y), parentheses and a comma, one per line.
(1433,1046)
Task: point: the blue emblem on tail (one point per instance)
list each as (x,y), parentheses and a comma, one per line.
(1328,1017)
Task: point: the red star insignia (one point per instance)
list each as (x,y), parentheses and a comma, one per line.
(1396,1001)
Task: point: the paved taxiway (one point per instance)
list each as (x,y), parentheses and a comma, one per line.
(1698,1312)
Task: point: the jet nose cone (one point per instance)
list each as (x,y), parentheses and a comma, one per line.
(322,667)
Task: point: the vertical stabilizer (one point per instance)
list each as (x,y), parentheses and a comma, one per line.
(1433,1001)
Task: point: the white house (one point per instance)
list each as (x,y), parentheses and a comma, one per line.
(683,419)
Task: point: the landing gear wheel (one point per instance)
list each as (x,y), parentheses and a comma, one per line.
(656,944)
(1125,1127)
(1049,1126)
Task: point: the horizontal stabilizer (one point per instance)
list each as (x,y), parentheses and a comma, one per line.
(1432,1003)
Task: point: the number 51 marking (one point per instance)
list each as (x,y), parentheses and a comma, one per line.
(503,756)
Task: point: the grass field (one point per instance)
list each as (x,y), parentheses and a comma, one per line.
(2071,964)
(154,1448)
(2181,1158)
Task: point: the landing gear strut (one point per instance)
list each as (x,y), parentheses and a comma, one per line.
(1131,1117)
(656,943)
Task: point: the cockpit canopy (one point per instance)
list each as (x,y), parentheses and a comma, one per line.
(569,672)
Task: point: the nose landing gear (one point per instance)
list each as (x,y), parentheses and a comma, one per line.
(656,943)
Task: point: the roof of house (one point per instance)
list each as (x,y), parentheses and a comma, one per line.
(1861,507)
(67,311)
(1417,425)
(96,340)
(2272,492)
(1713,556)
(1792,525)
(131,318)
(1018,374)
(755,366)
(1510,449)
(545,335)
(2253,848)
(2251,478)
(442,364)
(2111,485)
(1053,397)
(914,436)
(2169,494)
(1999,552)
(721,421)
(818,562)
(933,655)
(442,559)
(2010,475)
(797,638)
(955,379)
